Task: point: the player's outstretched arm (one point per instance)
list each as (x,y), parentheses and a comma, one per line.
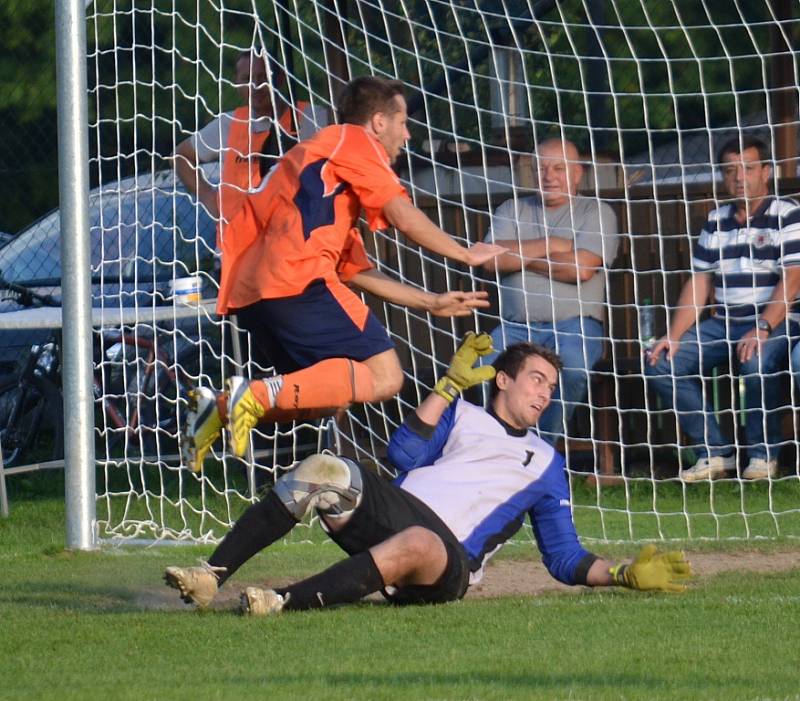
(461,375)
(650,571)
(416,226)
(409,447)
(445,304)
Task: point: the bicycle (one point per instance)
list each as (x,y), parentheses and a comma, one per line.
(137,386)
(140,386)
(31,398)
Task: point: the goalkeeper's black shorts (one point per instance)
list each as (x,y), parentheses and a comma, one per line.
(386,510)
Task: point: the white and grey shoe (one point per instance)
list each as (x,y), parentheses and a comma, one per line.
(760,469)
(197,585)
(709,468)
(255,601)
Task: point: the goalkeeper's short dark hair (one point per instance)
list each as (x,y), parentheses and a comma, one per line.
(511,360)
(738,144)
(366,95)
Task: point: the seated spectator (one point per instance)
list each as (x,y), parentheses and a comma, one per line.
(552,286)
(747,256)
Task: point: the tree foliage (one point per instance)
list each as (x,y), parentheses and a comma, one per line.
(157,71)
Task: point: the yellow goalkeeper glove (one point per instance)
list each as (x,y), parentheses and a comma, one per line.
(652,570)
(461,374)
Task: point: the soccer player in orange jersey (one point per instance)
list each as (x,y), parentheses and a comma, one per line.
(289,258)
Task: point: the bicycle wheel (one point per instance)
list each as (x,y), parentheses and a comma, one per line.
(167,391)
(126,398)
(186,369)
(21,411)
(141,401)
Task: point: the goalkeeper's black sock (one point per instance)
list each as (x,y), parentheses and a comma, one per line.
(261,525)
(343,583)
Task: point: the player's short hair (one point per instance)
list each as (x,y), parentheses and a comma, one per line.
(367,95)
(739,144)
(511,360)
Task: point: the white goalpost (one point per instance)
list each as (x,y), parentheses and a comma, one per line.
(646,91)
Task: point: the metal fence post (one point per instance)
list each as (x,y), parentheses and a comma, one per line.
(73,176)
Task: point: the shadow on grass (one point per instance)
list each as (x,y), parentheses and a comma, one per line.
(73,597)
(534,680)
(116,599)
(418,684)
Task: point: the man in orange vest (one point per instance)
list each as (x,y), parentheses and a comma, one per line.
(240,136)
(289,257)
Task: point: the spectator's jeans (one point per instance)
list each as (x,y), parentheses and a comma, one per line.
(795,364)
(579,342)
(762,382)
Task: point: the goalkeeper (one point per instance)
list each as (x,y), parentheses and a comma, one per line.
(468,478)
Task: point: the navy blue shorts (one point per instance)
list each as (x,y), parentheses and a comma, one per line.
(386,510)
(318,324)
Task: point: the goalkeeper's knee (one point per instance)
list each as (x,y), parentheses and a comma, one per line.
(326,483)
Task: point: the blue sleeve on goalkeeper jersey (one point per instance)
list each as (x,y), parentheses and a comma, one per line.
(551,518)
(415,444)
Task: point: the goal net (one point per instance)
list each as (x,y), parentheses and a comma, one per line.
(647,93)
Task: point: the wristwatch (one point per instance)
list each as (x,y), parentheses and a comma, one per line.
(764,325)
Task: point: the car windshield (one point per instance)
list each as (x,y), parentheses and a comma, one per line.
(138,233)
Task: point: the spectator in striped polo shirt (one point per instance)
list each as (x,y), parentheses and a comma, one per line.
(746,266)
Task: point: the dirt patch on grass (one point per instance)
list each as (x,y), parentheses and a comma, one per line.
(516,578)
(513,578)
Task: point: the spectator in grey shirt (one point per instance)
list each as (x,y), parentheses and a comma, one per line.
(552,282)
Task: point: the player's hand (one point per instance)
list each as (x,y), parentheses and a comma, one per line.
(458,303)
(662,345)
(479,253)
(654,571)
(750,345)
(461,374)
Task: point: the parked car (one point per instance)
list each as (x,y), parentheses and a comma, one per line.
(145,231)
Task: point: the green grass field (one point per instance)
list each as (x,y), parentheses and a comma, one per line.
(95,626)
(728,508)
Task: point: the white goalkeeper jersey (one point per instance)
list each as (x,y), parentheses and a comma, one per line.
(482,477)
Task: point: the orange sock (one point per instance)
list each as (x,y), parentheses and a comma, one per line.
(285,416)
(329,385)
(222,406)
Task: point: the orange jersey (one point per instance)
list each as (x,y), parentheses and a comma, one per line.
(300,226)
(240,165)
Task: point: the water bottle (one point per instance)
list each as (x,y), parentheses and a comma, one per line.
(647,325)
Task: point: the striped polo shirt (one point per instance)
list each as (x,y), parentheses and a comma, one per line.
(747,259)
